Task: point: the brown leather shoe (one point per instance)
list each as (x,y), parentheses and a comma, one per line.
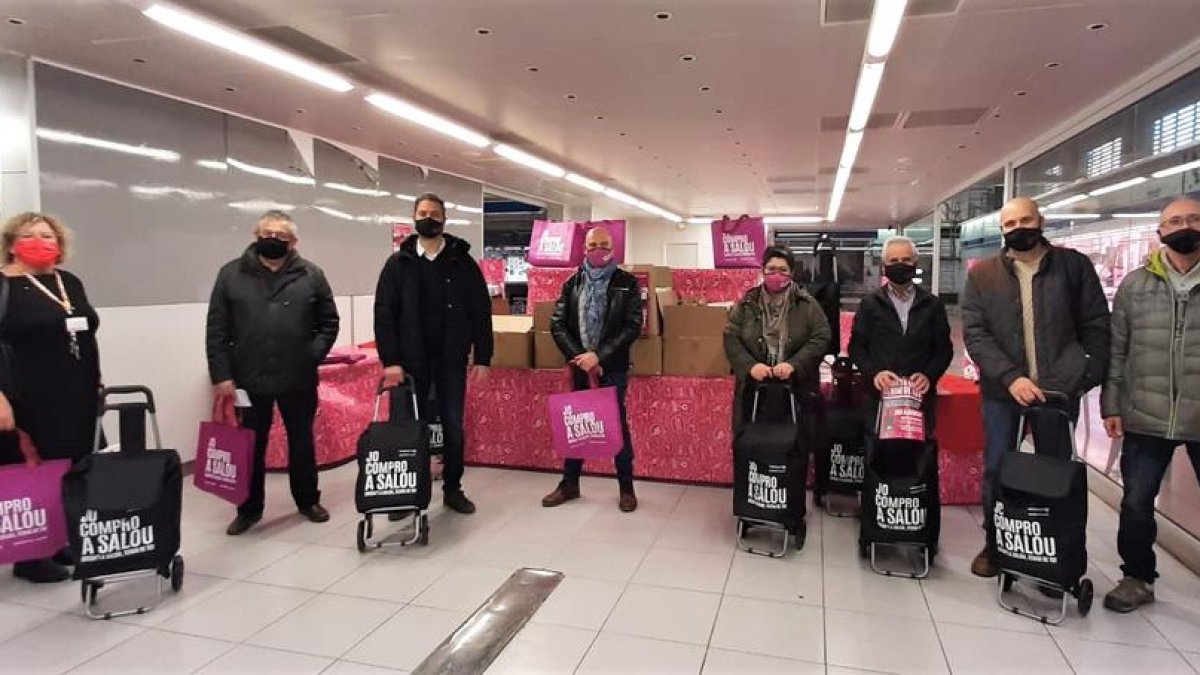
(561,495)
(628,503)
(983,566)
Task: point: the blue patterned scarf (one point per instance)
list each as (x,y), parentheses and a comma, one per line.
(595,303)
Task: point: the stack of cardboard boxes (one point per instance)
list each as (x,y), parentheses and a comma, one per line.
(677,339)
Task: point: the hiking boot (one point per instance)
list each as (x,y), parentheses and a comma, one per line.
(561,495)
(983,566)
(457,501)
(41,571)
(628,503)
(1130,594)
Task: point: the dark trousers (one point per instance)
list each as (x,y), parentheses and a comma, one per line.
(299,410)
(1144,462)
(442,389)
(573,468)
(1001,420)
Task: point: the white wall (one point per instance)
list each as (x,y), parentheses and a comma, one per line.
(647,239)
(162,347)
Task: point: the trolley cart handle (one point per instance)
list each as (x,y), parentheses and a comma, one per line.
(127,390)
(791,398)
(1056,404)
(382,389)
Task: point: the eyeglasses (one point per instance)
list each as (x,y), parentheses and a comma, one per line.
(1191,220)
(776,270)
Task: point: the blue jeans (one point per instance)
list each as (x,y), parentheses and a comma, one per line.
(573,468)
(1001,417)
(1144,462)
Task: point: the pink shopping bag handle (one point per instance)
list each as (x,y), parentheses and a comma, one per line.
(224,412)
(729,224)
(28,449)
(593,376)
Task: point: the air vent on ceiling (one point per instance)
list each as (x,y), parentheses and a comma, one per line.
(830,170)
(852,11)
(789,179)
(880,120)
(303,44)
(950,117)
(794,191)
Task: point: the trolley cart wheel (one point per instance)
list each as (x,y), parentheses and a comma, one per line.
(88,591)
(177,573)
(1006,581)
(864,550)
(423,536)
(1085,596)
(361,539)
(801,534)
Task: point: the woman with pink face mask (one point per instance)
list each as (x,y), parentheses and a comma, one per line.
(53,370)
(776,332)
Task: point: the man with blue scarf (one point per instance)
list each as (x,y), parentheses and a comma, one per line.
(596,321)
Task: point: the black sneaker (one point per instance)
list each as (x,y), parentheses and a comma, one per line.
(241,524)
(315,513)
(456,501)
(41,571)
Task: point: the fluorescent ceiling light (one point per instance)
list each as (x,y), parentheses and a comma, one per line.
(214,164)
(1065,202)
(366,192)
(1144,214)
(334,212)
(270,173)
(864,95)
(427,119)
(1118,186)
(885,24)
(449,205)
(1177,169)
(407,198)
(525,159)
(622,197)
(660,212)
(582,181)
(239,43)
(791,220)
(839,190)
(458,221)
(260,205)
(700,221)
(850,150)
(168,191)
(469,209)
(70,138)
(1071,216)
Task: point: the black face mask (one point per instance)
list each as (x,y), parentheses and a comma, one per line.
(1183,242)
(1023,238)
(430,227)
(900,273)
(270,248)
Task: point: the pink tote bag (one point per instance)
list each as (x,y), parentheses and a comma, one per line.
(224,456)
(33,525)
(586,424)
(738,242)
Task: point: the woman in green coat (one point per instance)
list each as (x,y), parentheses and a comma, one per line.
(777,331)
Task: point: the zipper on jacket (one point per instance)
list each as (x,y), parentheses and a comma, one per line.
(1176,341)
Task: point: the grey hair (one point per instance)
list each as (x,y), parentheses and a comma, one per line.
(278,216)
(898,239)
(1178,200)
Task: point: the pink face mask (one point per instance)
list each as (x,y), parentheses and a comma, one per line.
(777,282)
(599,257)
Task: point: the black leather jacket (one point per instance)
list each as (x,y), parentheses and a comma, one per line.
(622,321)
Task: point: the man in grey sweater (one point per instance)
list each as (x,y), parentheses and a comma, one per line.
(1151,397)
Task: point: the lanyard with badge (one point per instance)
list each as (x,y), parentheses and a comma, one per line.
(74,324)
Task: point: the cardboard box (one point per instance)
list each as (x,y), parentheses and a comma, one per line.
(690,320)
(546,353)
(647,355)
(660,277)
(500,306)
(542,312)
(695,356)
(513,336)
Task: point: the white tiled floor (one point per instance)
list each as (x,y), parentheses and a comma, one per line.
(659,592)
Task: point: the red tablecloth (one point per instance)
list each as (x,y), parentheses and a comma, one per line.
(347,396)
(545,284)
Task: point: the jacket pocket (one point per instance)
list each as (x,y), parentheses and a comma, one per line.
(1067,371)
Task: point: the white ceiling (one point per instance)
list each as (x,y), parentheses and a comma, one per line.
(773,68)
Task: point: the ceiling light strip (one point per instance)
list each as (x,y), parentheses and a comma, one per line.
(243,45)
(417,115)
(1118,186)
(881,37)
(1066,202)
(525,159)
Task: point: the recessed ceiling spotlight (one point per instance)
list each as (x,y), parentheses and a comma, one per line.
(622,134)
(356,128)
(705,89)
(996,116)
(570,97)
(1021,92)
(483,31)
(662,16)
(231,89)
(976,132)
(1053,64)
(719,111)
(641,147)
(688,58)
(139,60)
(299,111)
(728,128)
(16,21)
(599,117)
(1097,27)
(532,69)
(962,146)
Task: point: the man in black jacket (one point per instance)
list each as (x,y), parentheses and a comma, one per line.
(901,332)
(1035,319)
(271,321)
(596,320)
(432,311)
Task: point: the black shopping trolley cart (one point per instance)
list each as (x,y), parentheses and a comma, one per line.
(1039,517)
(123,506)
(770,463)
(393,470)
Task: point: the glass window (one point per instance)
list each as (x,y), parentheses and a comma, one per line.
(1177,130)
(1102,158)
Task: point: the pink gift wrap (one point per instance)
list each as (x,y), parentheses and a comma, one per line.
(714,285)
